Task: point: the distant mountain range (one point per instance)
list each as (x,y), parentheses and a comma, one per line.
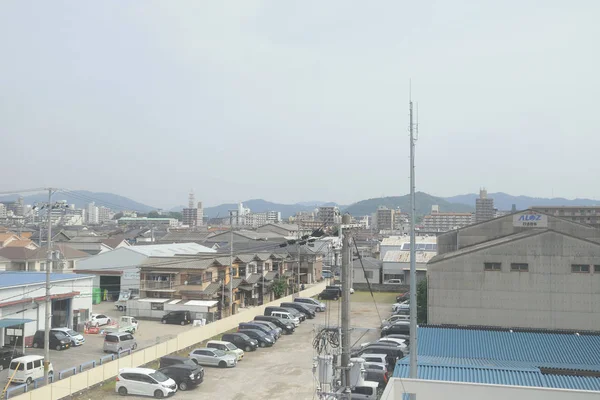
(424,201)
(81,198)
(503,201)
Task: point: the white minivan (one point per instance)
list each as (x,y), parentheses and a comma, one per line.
(287,316)
(144,382)
(28,369)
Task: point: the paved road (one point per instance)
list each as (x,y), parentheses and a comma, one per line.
(281,372)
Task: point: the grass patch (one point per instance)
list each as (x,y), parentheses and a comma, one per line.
(109,385)
(380,297)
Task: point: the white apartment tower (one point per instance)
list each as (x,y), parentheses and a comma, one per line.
(92,213)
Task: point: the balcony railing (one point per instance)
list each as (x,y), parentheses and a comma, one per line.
(156,285)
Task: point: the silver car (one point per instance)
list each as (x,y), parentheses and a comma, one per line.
(214,357)
(77,338)
(312,303)
(118,342)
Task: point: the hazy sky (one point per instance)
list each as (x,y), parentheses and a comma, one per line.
(299,100)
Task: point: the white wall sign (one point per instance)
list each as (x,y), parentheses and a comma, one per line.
(530,220)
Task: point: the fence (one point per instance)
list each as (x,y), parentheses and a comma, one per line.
(83,377)
(381,287)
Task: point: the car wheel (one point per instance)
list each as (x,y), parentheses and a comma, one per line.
(222,364)
(120,308)
(120,350)
(194,360)
(261,344)
(159,394)
(134,346)
(108,321)
(1,367)
(182,323)
(28,381)
(123,391)
(248,348)
(58,347)
(164,321)
(183,386)
(36,345)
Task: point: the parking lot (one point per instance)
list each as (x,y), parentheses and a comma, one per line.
(285,370)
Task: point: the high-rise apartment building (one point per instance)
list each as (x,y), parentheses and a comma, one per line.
(273,217)
(445,221)
(2,210)
(329,215)
(194,214)
(385,219)
(104,214)
(484,207)
(92,214)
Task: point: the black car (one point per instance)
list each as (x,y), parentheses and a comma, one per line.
(286,326)
(177,317)
(6,355)
(184,375)
(167,361)
(310,314)
(58,340)
(262,338)
(329,294)
(274,329)
(241,340)
(265,329)
(402,297)
(398,327)
(335,287)
(377,375)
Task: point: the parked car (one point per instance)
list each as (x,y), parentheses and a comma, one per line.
(241,340)
(274,328)
(405,305)
(401,297)
(284,315)
(213,357)
(405,337)
(403,344)
(381,376)
(262,338)
(174,360)
(393,318)
(144,382)
(393,282)
(177,317)
(338,286)
(58,340)
(7,355)
(329,295)
(400,327)
(77,338)
(185,376)
(300,315)
(310,301)
(392,353)
(287,326)
(377,361)
(227,347)
(27,369)
(119,341)
(262,328)
(310,314)
(99,320)
(402,311)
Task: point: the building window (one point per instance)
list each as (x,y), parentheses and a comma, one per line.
(597,268)
(492,266)
(580,268)
(157,306)
(208,277)
(522,267)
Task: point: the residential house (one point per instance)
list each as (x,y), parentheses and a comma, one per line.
(396,265)
(9,239)
(311,263)
(372,270)
(184,237)
(97,244)
(25,259)
(287,230)
(4,264)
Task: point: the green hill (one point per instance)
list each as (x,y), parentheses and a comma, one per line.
(423,204)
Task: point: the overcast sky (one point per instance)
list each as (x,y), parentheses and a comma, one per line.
(299,100)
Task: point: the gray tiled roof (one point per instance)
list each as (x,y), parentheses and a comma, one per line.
(245,258)
(236,282)
(253,278)
(271,275)
(176,263)
(246,287)
(212,288)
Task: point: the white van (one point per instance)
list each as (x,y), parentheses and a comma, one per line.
(28,369)
(287,316)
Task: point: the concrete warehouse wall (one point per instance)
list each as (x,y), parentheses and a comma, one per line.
(381,287)
(69,386)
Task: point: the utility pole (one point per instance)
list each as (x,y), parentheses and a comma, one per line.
(297,294)
(346,307)
(48,304)
(413,245)
(231,266)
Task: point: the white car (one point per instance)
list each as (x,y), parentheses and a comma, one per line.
(405,305)
(144,382)
(77,338)
(99,319)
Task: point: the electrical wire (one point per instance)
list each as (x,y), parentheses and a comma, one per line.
(367,278)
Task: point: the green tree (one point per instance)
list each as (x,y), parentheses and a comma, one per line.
(118,215)
(422,302)
(154,214)
(279,287)
(176,214)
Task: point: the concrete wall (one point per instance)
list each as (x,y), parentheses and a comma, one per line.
(69,386)
(549,295)
(425,389)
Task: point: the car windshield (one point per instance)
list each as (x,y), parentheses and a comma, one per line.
(219,353)
(71,332)
(13,366)
(159,376)
(60,335)
(190,363)
(231,346)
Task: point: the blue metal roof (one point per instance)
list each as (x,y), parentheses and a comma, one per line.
(499,376)
(8,322)
(18,278)
(535,349)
